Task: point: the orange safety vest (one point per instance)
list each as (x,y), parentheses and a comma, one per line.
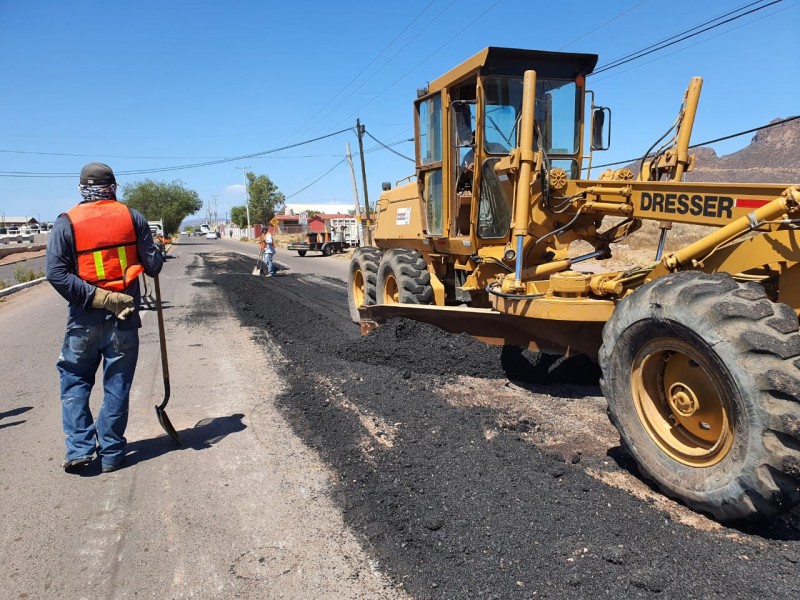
(104,239)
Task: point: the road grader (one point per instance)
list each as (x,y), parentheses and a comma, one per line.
(699,348)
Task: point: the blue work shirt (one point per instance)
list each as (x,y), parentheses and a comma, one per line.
(62,267)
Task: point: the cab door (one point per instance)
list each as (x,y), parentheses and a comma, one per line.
(429,162)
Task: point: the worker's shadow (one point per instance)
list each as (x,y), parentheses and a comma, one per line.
(200,437)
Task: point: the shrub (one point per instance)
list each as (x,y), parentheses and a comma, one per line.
(23,274)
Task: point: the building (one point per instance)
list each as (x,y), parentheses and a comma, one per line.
(12,221)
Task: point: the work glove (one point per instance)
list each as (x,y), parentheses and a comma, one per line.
(119,304)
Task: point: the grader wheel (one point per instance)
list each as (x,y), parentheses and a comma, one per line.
(403,278)
(361,280)
(682,402)
(699,372)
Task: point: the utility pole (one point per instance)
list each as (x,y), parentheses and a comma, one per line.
(246,201)
(359,223)
(360,131)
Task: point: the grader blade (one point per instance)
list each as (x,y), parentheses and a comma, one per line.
(492,327)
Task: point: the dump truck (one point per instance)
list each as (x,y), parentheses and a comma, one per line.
(319,242)
(502,234)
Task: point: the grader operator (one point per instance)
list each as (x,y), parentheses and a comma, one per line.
(698,348)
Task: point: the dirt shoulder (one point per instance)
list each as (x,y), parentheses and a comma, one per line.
(21,256)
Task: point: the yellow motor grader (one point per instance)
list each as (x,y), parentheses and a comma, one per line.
(699,348)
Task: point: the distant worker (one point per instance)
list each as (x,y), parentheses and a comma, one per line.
(269,252)
(95,254)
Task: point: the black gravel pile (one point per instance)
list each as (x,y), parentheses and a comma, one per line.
(427,349)
(459,506)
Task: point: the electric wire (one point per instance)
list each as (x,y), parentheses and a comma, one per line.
(369,64)
(188,166)
(707,143)
(599,27)
(727,32)
(390,149)
(428,56)
(685,35)
(316,180)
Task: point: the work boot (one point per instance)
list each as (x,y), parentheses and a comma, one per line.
(111,467)
(76,464)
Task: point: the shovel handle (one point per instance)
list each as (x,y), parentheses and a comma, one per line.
(163,343)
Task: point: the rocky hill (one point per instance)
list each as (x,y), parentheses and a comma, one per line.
(773,156)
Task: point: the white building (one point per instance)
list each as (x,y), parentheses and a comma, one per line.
(328,209)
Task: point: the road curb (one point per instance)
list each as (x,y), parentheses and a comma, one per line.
(21,286)
(19,249)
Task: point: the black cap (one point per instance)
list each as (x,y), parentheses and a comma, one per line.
(97,174)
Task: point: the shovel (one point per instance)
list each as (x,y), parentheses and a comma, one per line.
(161,413)
(259,263)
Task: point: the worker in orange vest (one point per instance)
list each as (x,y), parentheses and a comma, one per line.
(95,254)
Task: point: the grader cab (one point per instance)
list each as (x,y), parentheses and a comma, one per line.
(698,347)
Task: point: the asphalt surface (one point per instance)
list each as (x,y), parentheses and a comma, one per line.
(242,510)
(454,501)
(321,464)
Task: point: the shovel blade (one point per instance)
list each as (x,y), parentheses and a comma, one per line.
(166,425)
(259,264)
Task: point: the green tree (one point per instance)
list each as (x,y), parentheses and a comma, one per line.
(239,215)
(161,201)
(264,197)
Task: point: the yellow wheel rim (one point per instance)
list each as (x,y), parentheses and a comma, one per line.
(391,295)
(358,288)
(682,402)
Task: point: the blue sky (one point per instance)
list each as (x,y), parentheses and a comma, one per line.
(146,84)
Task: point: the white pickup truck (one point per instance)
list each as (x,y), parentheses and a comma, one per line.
(157,229)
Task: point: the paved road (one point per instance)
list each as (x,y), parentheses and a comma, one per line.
(241,511)
(335,266)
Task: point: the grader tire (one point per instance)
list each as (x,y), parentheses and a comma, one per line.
(403,278)
(361,279)
(702,381)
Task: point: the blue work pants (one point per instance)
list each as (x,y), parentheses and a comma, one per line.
(77,365)
(268,256)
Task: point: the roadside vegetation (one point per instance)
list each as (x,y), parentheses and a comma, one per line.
(23,274)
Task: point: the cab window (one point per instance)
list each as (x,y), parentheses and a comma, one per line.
(429,121)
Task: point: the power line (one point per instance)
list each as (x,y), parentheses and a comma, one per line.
(599,27)
(419,32)
(390,149)
(110,155)
(697,43)
(423,61)
(708,143)
(369,64)
(687,34)
(182,167)
(316,180)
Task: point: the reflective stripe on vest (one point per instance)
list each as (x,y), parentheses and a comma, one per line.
(105,244)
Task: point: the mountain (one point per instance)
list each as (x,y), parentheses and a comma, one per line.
(773,156)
